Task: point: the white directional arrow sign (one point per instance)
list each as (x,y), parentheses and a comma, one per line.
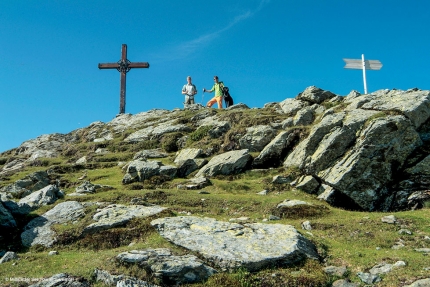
(363,65)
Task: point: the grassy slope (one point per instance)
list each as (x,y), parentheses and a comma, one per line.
(358,240)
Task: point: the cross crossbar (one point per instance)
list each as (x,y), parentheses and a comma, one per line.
(123,66)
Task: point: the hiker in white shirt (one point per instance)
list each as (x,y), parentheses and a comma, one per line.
(189,90)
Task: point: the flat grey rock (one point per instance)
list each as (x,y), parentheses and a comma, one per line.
(231,245)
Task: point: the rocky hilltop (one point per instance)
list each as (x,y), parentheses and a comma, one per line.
(367,153)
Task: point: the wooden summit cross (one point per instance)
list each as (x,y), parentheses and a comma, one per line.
(123,66)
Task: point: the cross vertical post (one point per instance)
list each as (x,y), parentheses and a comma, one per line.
(123,66)
(123,73)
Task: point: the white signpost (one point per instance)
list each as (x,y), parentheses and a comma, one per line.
(364,65)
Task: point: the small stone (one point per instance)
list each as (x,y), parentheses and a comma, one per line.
(53,252)
(239,219)
(399,264)
(10,255)
(344,283)
(404,231)
(274,217)
(306,225)
(336,271)
(391,219)
(264,192)
(368,278)
(424,250)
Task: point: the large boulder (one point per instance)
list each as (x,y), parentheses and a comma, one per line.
(6,218)
(256,138)
(188,153)
(231,162)
(118,215)
(150,153)
(377,155)
(290,107)
(8,256)
(304,116)
(122,122)
(190,165)
(119,280)
(62,280)
(156,131)
(315,95)
(28,184)
(139,170)
(38,230)
(306,148)
(167,267)
(231,245)
(328,141)
(414,105)
(275,152)
(45,196)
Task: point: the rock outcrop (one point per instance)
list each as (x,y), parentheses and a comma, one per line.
(38,230)
(230,246)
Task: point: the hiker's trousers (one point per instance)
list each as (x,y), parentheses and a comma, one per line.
(214,100)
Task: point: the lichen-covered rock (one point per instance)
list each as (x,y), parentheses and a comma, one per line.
(88,187)
(169,268)
(307,184)
(117,215)
(45,196)
(38,230)
(415,105)
(315,95)
(150,153)
(420,283)
(291,106)
(304,116)
(274,153)
(231,245)
(156,131)
(62,280)
(231,162)
(10,255)
(306,148)
(184,168)
(139,170)
(25,186)
(188,153)
(256,138)
(362,174)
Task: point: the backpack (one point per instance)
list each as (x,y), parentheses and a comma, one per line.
(227,98)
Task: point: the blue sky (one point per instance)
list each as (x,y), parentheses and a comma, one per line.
(263,50)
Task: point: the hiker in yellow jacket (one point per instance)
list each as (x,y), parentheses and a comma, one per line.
(217,87)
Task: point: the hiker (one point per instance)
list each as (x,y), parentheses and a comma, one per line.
(189,90)
(217,87)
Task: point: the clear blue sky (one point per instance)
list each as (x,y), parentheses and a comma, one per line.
(263,50)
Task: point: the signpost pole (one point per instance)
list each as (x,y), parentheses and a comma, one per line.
(364,65)
(364,74)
